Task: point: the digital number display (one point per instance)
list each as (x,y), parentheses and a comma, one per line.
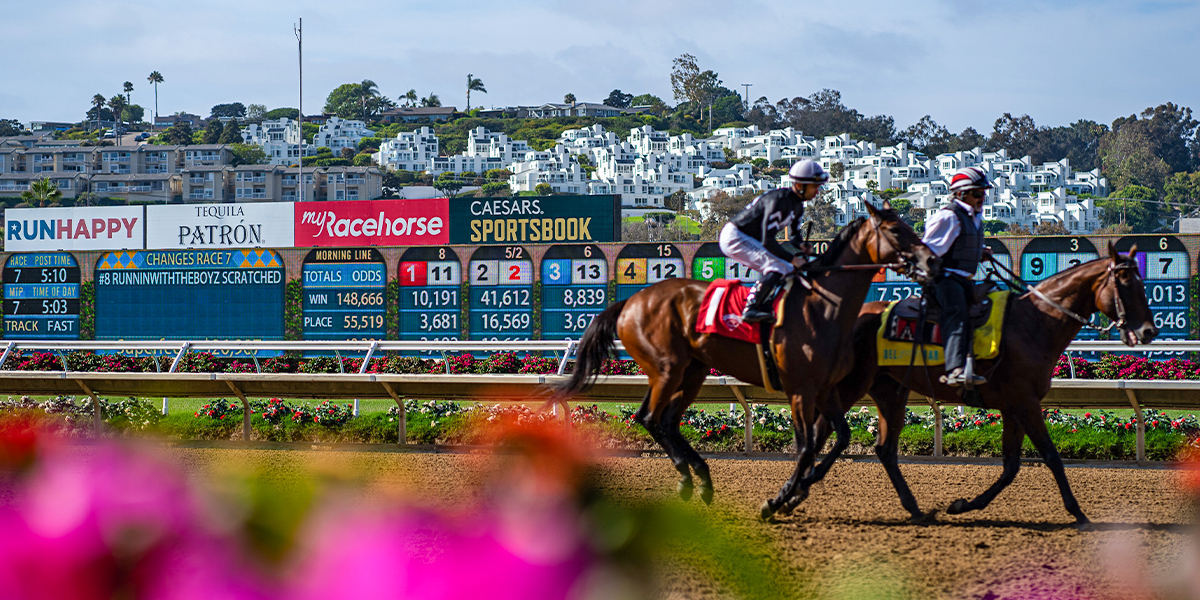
(1164,265)
(711,264)
(41,296)
(430,295)
(501,293)
(345,292)
(642,265)
(574,290)
(190,294)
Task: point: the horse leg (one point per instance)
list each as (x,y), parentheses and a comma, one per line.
(1035,427)
(836,418)
(891,401)
(1013,435)
(653,411)
(804,423)
(693,379)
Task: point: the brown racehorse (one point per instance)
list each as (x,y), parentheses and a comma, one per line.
(1036,333)
(658,328)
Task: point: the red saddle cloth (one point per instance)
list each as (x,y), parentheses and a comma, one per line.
(721,311)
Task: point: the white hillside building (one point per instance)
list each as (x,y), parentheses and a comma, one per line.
(408,151)
(279,139)
(339,133)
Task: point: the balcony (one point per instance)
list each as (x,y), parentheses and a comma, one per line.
(252,179)
(38,159)
(13,187)
(356,181)
(205,195)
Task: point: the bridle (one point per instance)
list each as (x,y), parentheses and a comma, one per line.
(905,267)
(1118,303)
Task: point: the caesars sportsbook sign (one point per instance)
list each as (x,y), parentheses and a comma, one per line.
(540,219)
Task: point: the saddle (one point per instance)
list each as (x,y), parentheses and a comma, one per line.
(909,309)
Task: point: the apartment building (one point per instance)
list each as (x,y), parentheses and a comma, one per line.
(408,151)
(337,133)
(279,139)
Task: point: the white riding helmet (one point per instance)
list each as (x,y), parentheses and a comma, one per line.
(969,178)
(807,171)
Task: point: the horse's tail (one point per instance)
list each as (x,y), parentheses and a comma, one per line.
(598,344)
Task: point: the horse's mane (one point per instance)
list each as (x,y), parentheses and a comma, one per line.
(839,243)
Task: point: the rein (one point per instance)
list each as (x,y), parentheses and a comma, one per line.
(1112,277)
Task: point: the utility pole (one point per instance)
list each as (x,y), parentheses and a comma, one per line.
(299,31)
(747,95)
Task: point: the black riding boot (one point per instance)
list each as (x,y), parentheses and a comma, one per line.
(758,304)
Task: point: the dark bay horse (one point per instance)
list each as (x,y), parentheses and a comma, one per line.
(658,328)
(1036,333)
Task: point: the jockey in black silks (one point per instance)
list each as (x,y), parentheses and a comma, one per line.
(955,233)
(749,237)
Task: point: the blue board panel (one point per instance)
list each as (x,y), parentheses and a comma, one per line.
(501,294)
(1045,257)
(41,296)
(345,291)
(190,294)
(1165,267)
(574,290)
(431,296)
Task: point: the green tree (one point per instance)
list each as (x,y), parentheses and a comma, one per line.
(618,100)
(569,98)
(155,78)
(474,84)
(677,201)
(543,189)
(117,105)
(1127,207)
(656,104)
(41,193)
(212,132)
(128,90)
(1050,228)
(494,188)
(133,114)
(837,171)
(281,113)
(248,154)
(447,183)
(1182,192)
(234,109)
(344,101)
(232,134)
(363,160)
(179,135)
(256,113)
(431,100)
(1127,156)
(497,174)
(690,84)
(410,98)
(98,105)
(10,127)
(927,137)
(994,227)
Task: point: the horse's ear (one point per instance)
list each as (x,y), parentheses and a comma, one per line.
(886,205)
(871,210)
(1113,254)
(1133,252)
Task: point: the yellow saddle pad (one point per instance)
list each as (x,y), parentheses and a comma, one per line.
(987,339)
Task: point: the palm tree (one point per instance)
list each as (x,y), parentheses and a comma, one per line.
(411,98)
(128,89)
(41,192)
(155,78)
(98,104)
(474,84)
(117,105)
(431,100)
(569,99)
(367,90)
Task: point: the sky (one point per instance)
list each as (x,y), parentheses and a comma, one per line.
(964,62)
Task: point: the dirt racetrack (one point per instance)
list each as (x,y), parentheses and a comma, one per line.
(850,538)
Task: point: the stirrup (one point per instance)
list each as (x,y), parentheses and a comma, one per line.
(755,315)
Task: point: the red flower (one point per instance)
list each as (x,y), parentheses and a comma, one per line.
(1087,415)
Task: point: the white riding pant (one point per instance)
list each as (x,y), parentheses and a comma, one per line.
(750,252)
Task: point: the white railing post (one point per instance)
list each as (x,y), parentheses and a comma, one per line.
(183,349)
(8,348)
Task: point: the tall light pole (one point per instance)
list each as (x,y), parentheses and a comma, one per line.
(747,95)
(299,30)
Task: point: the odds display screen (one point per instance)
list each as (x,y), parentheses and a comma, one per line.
(1164,265)
(642,265)
(574,290)
(430,295)
(710,264)
(501,293)
(1045,257)
(189,294)
(41,296)
(344,294)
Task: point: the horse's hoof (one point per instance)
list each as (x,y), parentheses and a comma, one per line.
(706,494)
(923,518)
(766,512)
(685,490)
(958,507)
(1085,525)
